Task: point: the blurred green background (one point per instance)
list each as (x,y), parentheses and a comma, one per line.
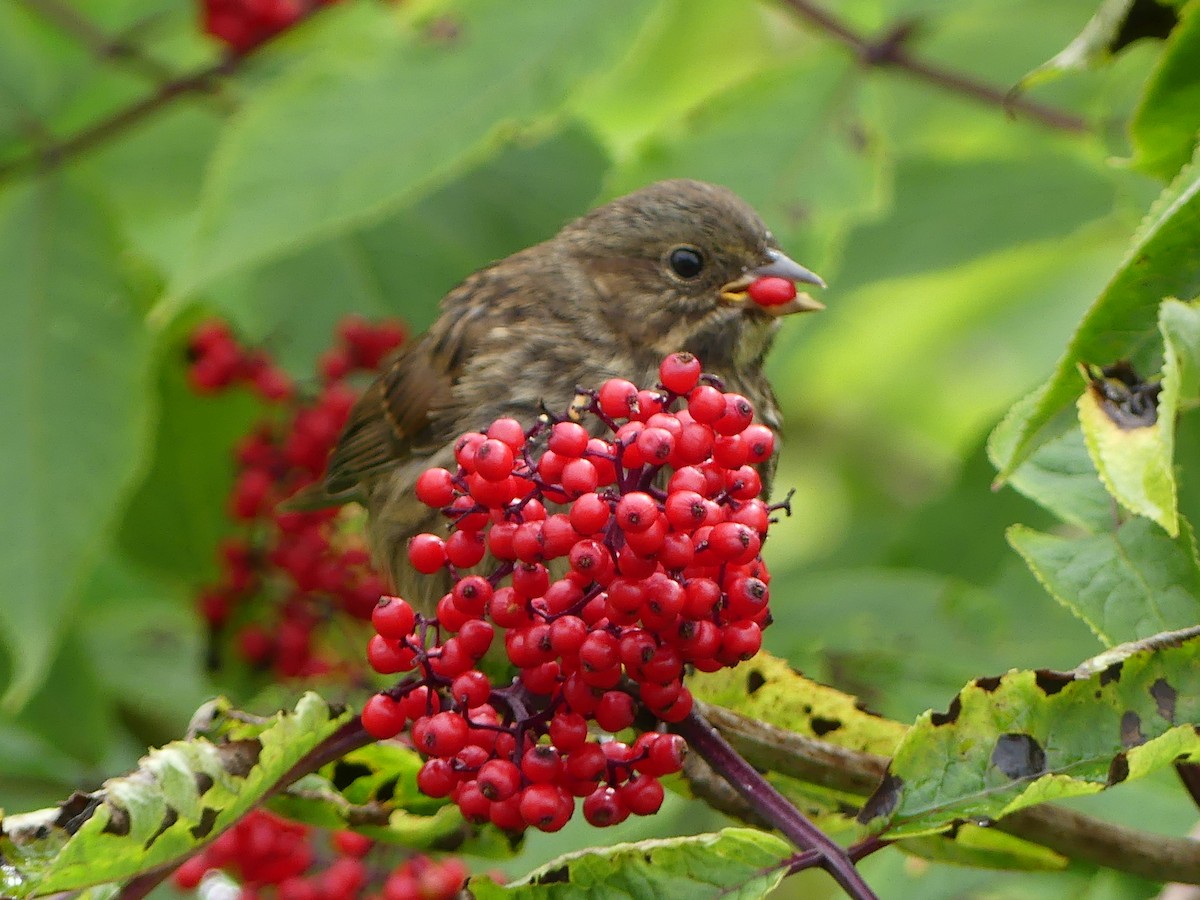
(372,157)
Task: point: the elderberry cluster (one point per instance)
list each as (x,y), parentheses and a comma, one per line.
(289,571)
(651,564)
(270,856)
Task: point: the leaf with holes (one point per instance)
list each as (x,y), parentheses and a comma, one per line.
(181,796)
(1031,736)
(734,862)
(767,688)
(1121,322)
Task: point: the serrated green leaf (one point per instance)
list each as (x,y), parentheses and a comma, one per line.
(1179,324)
(767,688)
(1028,737)
(73,363)
(389,112)
(1133,461)
(1061,477)
(1126,585)
(1121,322)
(1167,120)
(178,513)
(733,863)
(181,796)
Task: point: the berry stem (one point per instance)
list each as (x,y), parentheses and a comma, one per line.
(772,805)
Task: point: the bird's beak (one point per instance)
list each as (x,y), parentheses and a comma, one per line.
(779,266)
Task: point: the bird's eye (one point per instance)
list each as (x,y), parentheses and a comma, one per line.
(686,262)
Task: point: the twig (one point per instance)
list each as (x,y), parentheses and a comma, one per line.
(890,52)
(1189,774)
(119,49)
(1074,835)
(770,804)
(52,155)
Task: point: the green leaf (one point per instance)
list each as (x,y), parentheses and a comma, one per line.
(1061,477)
(181,796)
(73,362)
(1030,736)
(746,138)
(517,198)
(388,112)
(1125,585)
(1167,120)
(1180,327)
(178,513)
(1121,322)
(1132,459)
(733,863)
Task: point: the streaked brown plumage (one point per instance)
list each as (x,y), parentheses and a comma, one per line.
(600,299)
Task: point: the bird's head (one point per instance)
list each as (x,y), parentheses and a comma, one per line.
(673,264)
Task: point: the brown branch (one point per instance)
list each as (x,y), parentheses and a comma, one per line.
(118,49)
(50,156)
(1074,835)
(890,52)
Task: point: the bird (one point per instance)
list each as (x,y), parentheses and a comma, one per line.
(663,269)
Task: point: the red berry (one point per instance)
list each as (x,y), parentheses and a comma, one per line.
(706,404)
(636,512)
(435,487)
(546,807)
(509,431)
(427,553)
(393,618)
(351,843)
(471,689)
(618,398)
(568,439)
(498,779)
(642,795)
(444,735)
(679,372)
(760,443)
(494,459)
(604,807)
(771,291)
(382,717)
(465,549)
(437,778)
(737,416)
(615,711)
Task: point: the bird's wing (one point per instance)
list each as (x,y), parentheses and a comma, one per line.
(398,415)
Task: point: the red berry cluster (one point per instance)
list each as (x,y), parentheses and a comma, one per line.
(244,24)
(270,856)
(292,569)
(658,544)
(218,361)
